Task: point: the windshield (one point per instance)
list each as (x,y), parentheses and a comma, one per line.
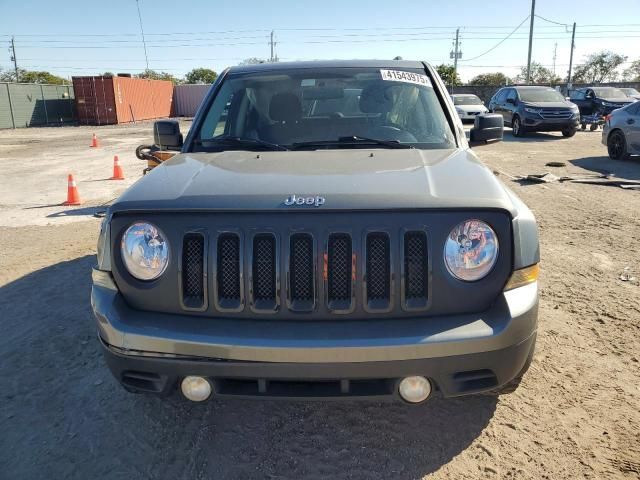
(466,100)
(630,91)
(325,108)
(540,95)
(609,92)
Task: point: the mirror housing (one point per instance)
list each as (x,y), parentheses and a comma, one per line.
(512,101)
(487,127)
(166,135)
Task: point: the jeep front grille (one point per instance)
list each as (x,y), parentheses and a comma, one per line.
(321,271)
(415,270)
(193,277)
(229,272)
(301,272)
(340,272)
(264,272)
(378,271)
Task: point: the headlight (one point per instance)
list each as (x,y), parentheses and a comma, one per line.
(145,251)
(471,250)
(532,110)
(608,104)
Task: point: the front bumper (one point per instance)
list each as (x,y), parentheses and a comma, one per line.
(460,353)
(534,122)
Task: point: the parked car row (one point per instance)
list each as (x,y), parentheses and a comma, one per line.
(544,109)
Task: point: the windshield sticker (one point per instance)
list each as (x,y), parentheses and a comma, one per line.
(408,77)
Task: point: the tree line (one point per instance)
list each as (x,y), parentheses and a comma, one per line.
(197,75)
(597,67)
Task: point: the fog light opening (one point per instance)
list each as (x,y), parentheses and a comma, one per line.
(414,389)
(196,389)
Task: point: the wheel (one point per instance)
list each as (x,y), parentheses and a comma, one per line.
(583,126)
(569,132)
(593,127)
(617,145)
(516,127)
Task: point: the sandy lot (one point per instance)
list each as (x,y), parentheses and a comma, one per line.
(576,415)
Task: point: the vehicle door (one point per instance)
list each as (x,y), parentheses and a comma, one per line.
(631,127)
(579,98)
(496,103)
(510,105)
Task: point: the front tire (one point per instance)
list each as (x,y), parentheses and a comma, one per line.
(569,132)
(617,145)
(517,129)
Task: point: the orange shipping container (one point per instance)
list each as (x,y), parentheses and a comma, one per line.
(109,100)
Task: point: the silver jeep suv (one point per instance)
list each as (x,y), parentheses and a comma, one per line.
(324,232)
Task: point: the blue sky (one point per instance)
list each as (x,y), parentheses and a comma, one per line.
(83,38)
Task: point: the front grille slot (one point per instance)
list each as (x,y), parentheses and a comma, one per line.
(193,277)
(301,272)
(340,272)
(264,271)
(378,271)
(229,272)
(415,268)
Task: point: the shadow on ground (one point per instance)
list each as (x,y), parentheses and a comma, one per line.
(628,169)
(64,413)
(80,212)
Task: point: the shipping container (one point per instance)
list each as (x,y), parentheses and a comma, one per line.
(110,100)
(187,99)
(33,104)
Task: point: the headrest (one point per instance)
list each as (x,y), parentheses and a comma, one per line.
(285,107)
(375,98)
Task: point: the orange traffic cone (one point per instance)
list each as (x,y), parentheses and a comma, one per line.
(94,141)
(118,174)
(73,197)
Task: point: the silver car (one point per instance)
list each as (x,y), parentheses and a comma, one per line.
(621,133)
(468,106)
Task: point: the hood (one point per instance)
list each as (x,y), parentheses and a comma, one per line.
(624,100)
(347,179)
(548,104)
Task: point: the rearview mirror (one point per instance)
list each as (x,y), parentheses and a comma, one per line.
(166,134)
(489,126)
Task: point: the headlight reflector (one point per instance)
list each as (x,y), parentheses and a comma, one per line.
(145,251)
(471,250)
(532,110)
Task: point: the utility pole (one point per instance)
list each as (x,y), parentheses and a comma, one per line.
(14,59)
(555,52)
(144,43)
(455,54)
(273,46)
(573,46)
(533,15)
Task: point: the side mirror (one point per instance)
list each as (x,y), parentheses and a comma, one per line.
(589,95)
(166,134)
(512,101)
(489,126)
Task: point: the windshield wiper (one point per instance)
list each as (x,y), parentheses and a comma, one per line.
(239,142)
(351,140)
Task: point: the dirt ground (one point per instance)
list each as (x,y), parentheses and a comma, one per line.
(576,415)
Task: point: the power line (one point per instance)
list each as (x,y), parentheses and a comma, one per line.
(500,42)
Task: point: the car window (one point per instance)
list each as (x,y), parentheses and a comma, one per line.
(466,100)
(499,97)
(576,95)
(512,94)
(288,107)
